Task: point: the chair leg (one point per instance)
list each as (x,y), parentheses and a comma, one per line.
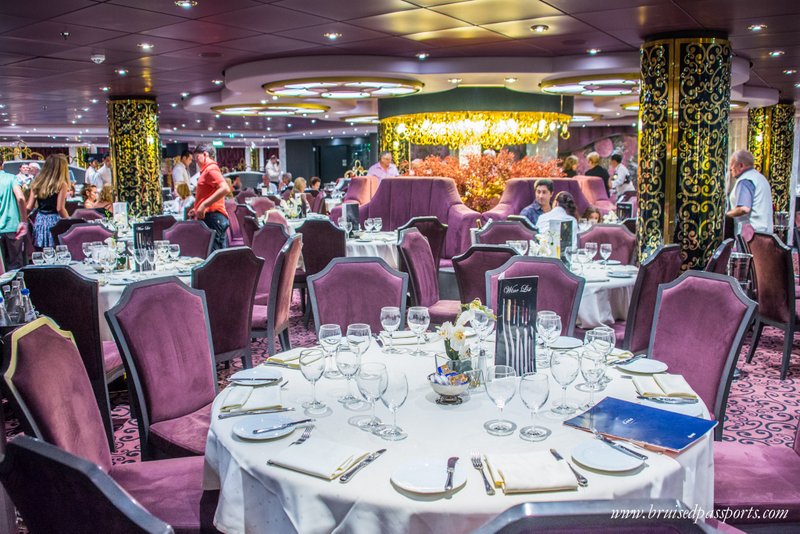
(284,339)
(247,360)
(788,342)
(759,326)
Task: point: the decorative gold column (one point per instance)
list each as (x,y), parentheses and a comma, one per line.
(388,140)
(135,153)
(770,138)
(683,142)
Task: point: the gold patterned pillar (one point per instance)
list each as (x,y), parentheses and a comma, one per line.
(683,143)
(388,140)
(770,138)
(135,153)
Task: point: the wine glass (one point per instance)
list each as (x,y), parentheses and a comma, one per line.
(139,258)
(565,366)
(571,254)
(86,247)
(501,385)
(151,256)
(377,223)
(330,335)
(369,225)
(312,365)
(534,390)
(63,257)
(393,397)
(605,252)
(418,320)
(593,369)
(583,258)
(345,225)
(37,258)
(548,326)
(603,338)
(371,381)
(483,324)
(49,255)
(348,361)
(390,321)
(174,251)
(519,246)
(591,249)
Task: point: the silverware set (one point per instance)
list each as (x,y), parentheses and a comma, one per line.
(518,336)
(254,412)
(350,473)
(669,400)
(273,428)
(618,447)
(477,463)
(582,480)
(306,434)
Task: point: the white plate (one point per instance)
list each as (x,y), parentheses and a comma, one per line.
(644,366)
(692,410)
(429,475)
(619,274)
(613,262)
(267,374)
(566,343)
(245,426)
(597,455)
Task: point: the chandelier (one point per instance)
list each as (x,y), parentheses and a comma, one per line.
(298,109)
(343,88)
(594,85)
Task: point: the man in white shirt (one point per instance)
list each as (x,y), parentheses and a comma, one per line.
(180,174)
(272,171)
(620,180)
(384,168)
(750,200)
(103,176)
(24,177)
(91,171)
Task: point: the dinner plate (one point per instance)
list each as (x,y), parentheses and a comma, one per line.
(644,366)
(597,455)
(245,426)
(7,277)
(619,274)
(263,374)
(428,475)
(566,343)
(692,410)
(613,262)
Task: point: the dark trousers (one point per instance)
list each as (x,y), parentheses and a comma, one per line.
(13,251)
(219,223)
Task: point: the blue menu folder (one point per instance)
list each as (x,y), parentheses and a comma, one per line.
(643,424)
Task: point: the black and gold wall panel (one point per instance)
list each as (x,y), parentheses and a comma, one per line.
(770,138)
(136,154)
(389,140)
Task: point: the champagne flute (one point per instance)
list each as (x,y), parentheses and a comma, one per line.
(330,335)
(605,252)
(548,326)
(534,390)
(501,385)
(393,397)
(371,381)
(312,365)
(390,321)
(593,369)
(418,320)
(564,365)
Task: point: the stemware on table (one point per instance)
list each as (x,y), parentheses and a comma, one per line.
(501,385)
(390,322)
(37,258)
(377,223)
(312,365)
(49,254)
(591,249)
(483,324)
(605,252)
(349,360)
(371,381)
(418,320)
(534,390)
(548,327)
(330,336)
(520,246)
(393,397)
(603,339)
(593,369)
(564,365)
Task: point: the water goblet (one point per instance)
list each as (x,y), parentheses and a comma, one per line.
(582,256)
(312,365)
(483,323)
(174,252)
(418,320)
(393,397)
(377,223)
(37,258)
(390,322)
(520,246)
(564,365)
(371,381)
(49,254)
(63,257)
(330,336)
(548,326)
(151,257)
(348,361)
(86,247)
(60,250)
(501,385)
(534,390)
(369,225)
(605,252)
(591,250)
(603,338)
(593,369)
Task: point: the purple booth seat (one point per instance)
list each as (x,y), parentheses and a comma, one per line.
(79,234)
(360,191)
(162,329)
(519,193)
(87,214)
(322,241)
(759,477)
(52,395)
(194,237)
(247,193)
(273,319)
(718,263)
(161,223)
(234,229)
(623,242)
(262,205)
(267,243)
(434,231)
(595,192)
(777,303)
(698,330)
(498,232)
(62,225)
(70,299)
(471,267)
(559,290)
(79,496)
(229,278)
(417,258)
(353,290)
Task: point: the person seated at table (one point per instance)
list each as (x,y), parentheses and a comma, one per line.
(592,215)
(230,188)
(299,191)
(236,186)
(543,192)
(89,196)
(384,168)
(185,199)
(49,194)
(620,176)
(596,170)
(570,167)
(313,185)
(285,183)
(106,200)
(564,209)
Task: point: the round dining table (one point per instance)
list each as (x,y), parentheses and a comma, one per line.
(258,497)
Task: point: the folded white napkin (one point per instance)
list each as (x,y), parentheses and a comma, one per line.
(530,472)
(620,354)
(290,358)
(595,275)
(319,457)
(663,385)
(405,337)
(243,398)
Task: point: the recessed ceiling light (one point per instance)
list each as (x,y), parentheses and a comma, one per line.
(757,27)
(184,95)
(185,4)
(217,82)
(797,84)
(174,105)
(122,72)
(105,88)
(593,51)
(263,101)
(332,35)
(540,28)
(454,80)
(776,53)
(510,80)
(93,101)
(422,56)
(789,72)
(146,46)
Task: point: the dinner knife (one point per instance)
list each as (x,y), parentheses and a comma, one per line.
(254,412)
(281,427)
(669,400)
(620,448)
(378,340)
(248,380)
(360,465)
(582,481)
(451,467)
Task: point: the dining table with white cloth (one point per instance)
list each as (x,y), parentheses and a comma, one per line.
(377,245)
(258,497)
(607,295)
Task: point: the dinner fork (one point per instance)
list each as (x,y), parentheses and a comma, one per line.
(306,434)
(477,463)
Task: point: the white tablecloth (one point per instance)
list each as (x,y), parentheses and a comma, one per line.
(606,302)
(382,244)
(256,497)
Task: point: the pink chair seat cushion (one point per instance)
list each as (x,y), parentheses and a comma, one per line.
(236,242)
(262,299)
(446,262)
(171,490)
(111,357)
(756,476)
(260,314)
(444,310)
(184,435)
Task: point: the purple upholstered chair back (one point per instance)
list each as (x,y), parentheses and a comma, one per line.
(360,190)
(247,193)
(662,267)
(87,214)
(698,329)
(249,229)
(280,294)
(234,228)
(46,379)
(194,237)
(62,225)
(275,216)
(318,204)
(261,205)
(772,263)
(161,223)
(498,232)
(239,213)
(559,290)
(718,263)
(471,267)
(162,329)
(415,253)
(267,243)
(80,234)
(229,279)
(623,242)
(519,193)
(353,290)
(322,242)
(435,232)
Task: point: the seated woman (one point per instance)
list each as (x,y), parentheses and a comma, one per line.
(230,188)
(563,210)
(570,167)
(106,200)
(592,215)
(89,196)
(185,200)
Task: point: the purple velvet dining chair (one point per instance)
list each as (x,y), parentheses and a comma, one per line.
(242,196)
(229,278)
(622,241)
(417,260)
(471,267)
(434,231)
(273,319)
(630,224)
(194,237)
(249,228)
(79,496)
(239,213)
(87,214)
(318,205)
(162,329)
(261,205)
(70,299)
(559,290)
(50,391)
(275,216)
(322,242)
(267,242)
(8,516)
(353,290)
(62,225)
(777,301)
(234,229)
(718,263)
(698,330)
(161,223)
(75,237)
(498,232)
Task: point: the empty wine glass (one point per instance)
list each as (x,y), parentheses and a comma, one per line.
(368,225)
(63,257)
(519,246)
(393,397)
(312,365)
(37,258)
(151,257)
(418,320)
(139,258)
(174,252)
(603,338)
(86,247)
(564,365)
(591,249)
(501,385)
(330,336)
(593,369)
(371,381)
(49,254)
(483,323)
(390,321)
(605,252)
(345,225)
(348,361)
(377,223)
(548,327)
(534,390)
(582,256)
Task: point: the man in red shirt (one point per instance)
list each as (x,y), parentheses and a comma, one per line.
(209,203)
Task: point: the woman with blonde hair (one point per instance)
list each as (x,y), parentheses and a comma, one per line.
(106,200)
(299,192)
(89,196)
(595,169)
(49,194)
(185,199)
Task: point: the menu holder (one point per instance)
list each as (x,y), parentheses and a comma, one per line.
(120,210)
(516,320)
(624,210)
(350,213)
(143,239)
(562,229)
